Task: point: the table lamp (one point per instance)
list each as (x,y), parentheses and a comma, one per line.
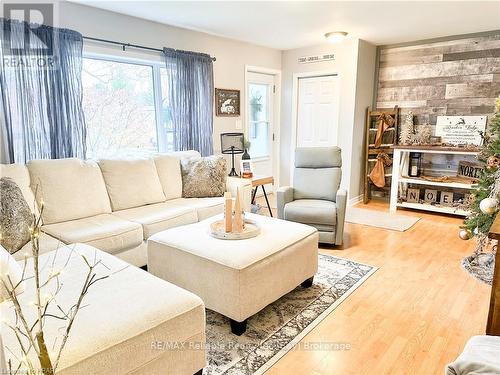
(232,143)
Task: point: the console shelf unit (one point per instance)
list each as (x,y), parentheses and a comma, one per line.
(400,164)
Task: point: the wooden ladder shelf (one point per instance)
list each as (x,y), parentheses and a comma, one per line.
(389,139)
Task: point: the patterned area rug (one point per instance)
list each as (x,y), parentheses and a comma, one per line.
(276,329)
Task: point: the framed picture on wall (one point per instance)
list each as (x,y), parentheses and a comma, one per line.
(227,102)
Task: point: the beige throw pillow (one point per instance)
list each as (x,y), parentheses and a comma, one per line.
(204,177)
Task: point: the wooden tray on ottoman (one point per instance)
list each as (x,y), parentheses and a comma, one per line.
(217,230)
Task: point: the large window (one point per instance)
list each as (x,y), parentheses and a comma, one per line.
(125,109)
(166,124)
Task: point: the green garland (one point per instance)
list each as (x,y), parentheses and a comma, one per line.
(477,219)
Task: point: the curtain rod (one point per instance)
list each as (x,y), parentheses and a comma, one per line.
(124,45)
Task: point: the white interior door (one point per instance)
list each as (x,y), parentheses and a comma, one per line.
(317,114)
(260,122)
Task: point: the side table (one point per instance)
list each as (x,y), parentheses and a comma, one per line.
(261,181)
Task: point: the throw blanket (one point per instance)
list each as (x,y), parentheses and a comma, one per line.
(481,356)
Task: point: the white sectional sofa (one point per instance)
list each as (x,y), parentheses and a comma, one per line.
(113,205)
(106,210)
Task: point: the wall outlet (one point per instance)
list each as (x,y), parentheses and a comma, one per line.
(238,125)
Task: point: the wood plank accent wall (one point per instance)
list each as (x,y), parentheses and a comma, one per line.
(453,77)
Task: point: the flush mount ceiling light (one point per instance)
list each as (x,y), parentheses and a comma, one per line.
(336,36)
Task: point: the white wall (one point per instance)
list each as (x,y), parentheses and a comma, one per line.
(365,83)
(232,56)
(355,64)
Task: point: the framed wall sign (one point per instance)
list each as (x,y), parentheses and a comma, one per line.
(461,130)
(316,58)
(227,102)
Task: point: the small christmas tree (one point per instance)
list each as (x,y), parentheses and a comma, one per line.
(407,130)
(487,193)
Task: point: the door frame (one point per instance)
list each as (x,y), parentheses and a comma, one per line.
(295,109)
(276,118)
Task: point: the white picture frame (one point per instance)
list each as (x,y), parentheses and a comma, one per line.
(246,166)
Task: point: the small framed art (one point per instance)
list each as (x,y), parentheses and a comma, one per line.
(227,102)
(246,168)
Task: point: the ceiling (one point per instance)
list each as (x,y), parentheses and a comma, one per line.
(293,24)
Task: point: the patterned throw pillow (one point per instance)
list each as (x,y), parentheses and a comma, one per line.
(203,177)
(15,216)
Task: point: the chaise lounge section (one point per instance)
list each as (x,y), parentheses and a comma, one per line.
(132,322)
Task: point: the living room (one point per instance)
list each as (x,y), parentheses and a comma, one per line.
(249,187)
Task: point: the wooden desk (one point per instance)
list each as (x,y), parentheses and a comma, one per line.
(493,326)
(261,181)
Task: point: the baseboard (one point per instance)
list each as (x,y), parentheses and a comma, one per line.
(355,200)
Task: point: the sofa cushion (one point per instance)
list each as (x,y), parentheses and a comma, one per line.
(311,211)
(168,167)
(157,217)
(105,232)
(317,173)
(19,173)
(131,182)
(46,243)
(169,171)
(205,207)
(318,157)
(322,183)
(132,309)
(70,188)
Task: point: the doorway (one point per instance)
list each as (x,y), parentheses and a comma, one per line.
(317,112)
(262,122)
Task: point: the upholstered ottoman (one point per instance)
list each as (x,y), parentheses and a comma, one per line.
(236,278)
(132,322)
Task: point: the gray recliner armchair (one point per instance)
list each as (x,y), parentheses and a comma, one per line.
(315,198)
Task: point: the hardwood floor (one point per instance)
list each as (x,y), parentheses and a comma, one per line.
(413,316)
